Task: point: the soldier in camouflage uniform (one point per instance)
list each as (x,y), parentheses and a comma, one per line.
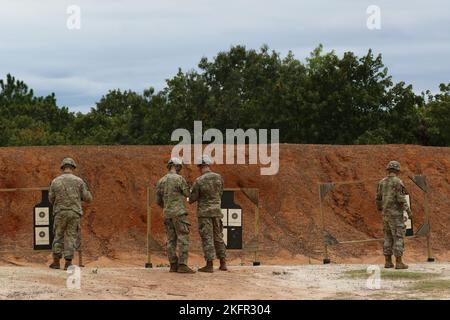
(171,190)
(66,194)
(207,190)
(392,202)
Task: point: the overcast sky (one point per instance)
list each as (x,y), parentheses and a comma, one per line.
(137,44)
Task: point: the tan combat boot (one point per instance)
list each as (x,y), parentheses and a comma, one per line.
(208,268)
(182,268)
(67,264)
(223,265)
(399,263)
(388,264)
(55,264)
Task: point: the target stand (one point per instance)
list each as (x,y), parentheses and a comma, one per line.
(43,224)
(232,222)
(423,231)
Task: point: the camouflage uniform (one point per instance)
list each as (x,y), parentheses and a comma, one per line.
(171,190)
(207,190)
(66,193)
(392,202)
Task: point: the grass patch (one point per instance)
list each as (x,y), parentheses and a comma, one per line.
(343,295)
(380,295)
(390,275)
(432,285)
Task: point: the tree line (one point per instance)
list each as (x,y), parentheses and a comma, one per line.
(328,99)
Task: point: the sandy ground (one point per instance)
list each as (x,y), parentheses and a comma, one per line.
(335,281)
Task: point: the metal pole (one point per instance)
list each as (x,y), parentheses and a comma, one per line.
(427,218)
(255,260)
(326,259)
(148,264)
(80,258)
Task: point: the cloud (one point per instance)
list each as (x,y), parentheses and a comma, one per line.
(137,44)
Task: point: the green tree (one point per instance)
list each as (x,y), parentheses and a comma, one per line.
(29,120)
(327,99)
(436,117)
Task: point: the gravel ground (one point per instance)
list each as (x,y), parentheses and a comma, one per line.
(335,281)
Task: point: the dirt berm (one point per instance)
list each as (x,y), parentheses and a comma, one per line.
(114,225)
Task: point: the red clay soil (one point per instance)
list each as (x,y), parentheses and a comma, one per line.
(114,225)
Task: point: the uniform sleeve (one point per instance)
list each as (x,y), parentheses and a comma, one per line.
(195,193)
(184,188)
(51,194)
(379,198)
(86,195)
(401,199)
(159,195)
(221,186)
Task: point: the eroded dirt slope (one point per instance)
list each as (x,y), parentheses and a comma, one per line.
(114,226)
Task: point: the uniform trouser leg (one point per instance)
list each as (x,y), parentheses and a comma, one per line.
(388,240)
(177,230)
(206,229)
(181,224)
(59,229)
(219,243)
(171,240)
(72,230)
(394,233)
(399,231)
(66,223)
